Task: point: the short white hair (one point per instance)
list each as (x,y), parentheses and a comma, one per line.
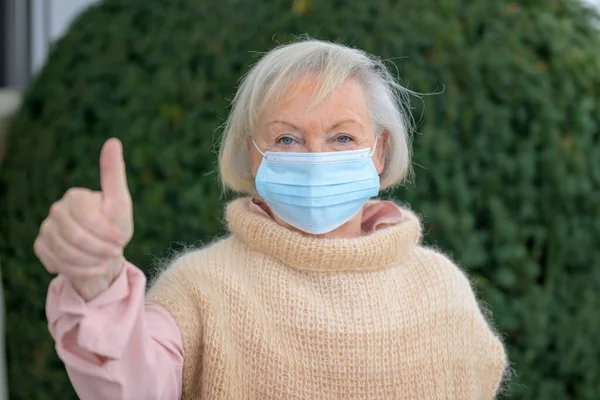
(333,63)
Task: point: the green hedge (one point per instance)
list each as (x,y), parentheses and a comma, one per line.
(507,158)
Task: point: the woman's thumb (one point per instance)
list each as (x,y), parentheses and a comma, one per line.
(116,199)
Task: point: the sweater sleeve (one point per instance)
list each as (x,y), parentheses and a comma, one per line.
(178,289)
(481,342)
(487,352)
(116,346)
(464,329)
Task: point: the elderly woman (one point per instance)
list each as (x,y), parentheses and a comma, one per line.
(318,293)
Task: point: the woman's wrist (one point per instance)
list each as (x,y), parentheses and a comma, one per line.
(90,288)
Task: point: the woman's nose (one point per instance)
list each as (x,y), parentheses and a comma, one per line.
(315,143)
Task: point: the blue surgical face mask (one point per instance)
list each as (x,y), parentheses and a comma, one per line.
(317,192)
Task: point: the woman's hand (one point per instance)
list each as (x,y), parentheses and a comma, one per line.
(85,233)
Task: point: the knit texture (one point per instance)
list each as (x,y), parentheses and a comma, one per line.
(268,313)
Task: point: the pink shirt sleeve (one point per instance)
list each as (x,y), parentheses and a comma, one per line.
(140,342)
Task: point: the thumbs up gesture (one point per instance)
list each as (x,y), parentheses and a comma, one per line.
(85,233)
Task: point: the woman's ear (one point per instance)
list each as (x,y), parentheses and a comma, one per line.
(380,151)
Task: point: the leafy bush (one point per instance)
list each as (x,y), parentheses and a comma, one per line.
(507,171)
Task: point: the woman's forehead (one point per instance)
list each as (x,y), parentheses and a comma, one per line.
(345,106)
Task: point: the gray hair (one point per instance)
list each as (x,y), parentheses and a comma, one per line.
(333,63)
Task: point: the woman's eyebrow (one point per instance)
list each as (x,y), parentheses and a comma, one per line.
(345,121)
(277,121)
(332,127)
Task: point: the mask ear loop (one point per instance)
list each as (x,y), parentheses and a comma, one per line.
(374,146)
(257,148)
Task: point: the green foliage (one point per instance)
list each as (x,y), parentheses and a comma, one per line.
(507,170)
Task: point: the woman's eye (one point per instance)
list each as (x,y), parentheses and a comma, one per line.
(343,139)
(286,141)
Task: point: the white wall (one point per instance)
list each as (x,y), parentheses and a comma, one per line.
(50,20)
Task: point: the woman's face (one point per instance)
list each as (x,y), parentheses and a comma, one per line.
(340,122)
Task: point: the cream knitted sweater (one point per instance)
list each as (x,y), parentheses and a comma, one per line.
(268,313)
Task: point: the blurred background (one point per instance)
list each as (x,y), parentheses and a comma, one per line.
(506,158)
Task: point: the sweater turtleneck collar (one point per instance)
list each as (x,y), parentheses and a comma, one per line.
(373,251)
